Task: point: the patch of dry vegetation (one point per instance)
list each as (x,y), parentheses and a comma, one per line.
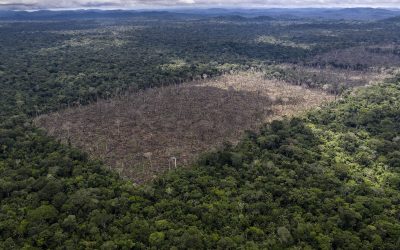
(328,78)
(360,57)
(141,134)
(286,43)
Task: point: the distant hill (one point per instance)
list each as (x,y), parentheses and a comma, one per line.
(238,18)
(359,13)
(218,13)
(320,13)
(90,14)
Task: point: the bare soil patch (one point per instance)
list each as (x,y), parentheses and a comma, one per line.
(139,134)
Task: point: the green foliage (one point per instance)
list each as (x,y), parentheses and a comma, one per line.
(48,65)
(157,239)
(327,180)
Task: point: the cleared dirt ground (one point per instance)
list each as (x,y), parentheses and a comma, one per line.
(139,134)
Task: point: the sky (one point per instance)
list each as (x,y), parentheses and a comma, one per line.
(136,4)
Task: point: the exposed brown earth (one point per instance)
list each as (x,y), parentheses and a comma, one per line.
(139,134)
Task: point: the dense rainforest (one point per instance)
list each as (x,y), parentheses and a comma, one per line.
(47,65)
(327,179)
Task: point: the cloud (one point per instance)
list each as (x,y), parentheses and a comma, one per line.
(54,4)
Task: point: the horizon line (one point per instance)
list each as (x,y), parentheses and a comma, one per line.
(198,7)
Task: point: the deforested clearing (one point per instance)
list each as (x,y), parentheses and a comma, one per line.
(143,134)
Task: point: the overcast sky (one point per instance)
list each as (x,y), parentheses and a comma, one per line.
(54,4)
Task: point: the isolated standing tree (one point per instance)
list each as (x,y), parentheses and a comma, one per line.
(173,160)
(118,124)
(148,156)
